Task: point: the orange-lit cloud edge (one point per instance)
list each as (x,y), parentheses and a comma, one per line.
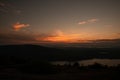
(18,26)
(57,38)
(60,37)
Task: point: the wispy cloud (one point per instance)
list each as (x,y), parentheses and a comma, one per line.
(6,7)
(18,26)
(16,38)
(88,21)
(3,7)
(118,33)
(109,25)
(2,4)
(92,20)
(82,22)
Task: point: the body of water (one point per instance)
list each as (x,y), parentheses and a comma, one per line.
(109,62)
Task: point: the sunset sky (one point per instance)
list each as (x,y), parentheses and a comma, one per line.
(58,21)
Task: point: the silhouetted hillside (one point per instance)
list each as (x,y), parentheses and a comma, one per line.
(24,49)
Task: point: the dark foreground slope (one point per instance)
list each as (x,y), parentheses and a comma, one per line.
(31,62)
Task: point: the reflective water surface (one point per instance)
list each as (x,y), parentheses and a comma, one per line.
(109,62)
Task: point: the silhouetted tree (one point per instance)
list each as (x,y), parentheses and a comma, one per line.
(76,65)
(96,66)
(40,67)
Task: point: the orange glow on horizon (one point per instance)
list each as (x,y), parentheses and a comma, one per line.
(61,37)
(57,39)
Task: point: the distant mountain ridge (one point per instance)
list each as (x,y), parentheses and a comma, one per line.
(100,43)
(50,53)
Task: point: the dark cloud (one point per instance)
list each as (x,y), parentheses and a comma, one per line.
(23,38)
(118,33)
(103,43)
(15,38)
